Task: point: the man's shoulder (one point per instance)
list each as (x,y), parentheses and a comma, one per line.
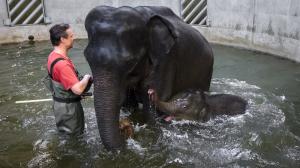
(59,64)
(53,56)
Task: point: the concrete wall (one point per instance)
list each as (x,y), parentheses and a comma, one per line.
(76,12)
(271,26)
(68,11)
(3,12)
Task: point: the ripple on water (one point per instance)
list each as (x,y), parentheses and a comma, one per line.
(43,160)
(257,138)
(136,147)
(222,140)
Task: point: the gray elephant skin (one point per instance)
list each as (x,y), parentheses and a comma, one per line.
(200,106)
(133,49)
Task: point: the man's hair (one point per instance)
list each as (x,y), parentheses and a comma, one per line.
(57,31)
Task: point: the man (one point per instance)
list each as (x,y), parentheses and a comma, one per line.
(64,83)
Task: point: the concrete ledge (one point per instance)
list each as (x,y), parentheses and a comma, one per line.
(40,32)
(276,45)
(281,46)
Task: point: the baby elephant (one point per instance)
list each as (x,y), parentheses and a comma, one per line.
(196,105)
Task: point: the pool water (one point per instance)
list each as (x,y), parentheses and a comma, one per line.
(267,135)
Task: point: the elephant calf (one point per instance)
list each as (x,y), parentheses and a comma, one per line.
(196,105)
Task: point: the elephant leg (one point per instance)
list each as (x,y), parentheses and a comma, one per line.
(149,110)
(131,101)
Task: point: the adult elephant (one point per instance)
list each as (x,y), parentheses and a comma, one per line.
(134,49)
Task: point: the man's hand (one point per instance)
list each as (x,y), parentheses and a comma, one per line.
(87,76)
(90,82)
(80,86)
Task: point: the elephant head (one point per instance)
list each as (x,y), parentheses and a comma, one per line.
(188,105)
(122,51)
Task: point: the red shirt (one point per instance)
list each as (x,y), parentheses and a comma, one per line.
(63,70)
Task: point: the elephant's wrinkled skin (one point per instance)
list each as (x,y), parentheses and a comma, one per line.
(132,49)
(197,105)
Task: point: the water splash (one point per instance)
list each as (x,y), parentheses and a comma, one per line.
(221,141)
(135,146)
(258,138)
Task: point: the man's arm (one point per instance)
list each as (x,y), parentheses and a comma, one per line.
(79,87)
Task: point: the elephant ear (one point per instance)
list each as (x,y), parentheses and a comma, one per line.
(162,35)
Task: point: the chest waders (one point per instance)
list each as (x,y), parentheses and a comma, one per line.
(67,108)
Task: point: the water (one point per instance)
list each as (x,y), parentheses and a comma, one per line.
(267,135)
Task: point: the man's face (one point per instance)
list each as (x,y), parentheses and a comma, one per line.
(68,42)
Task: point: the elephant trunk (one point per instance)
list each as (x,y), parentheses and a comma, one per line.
(166,107)
(107,108)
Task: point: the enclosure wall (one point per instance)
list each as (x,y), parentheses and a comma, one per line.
(271,26)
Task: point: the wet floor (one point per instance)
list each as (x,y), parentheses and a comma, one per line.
(267,135)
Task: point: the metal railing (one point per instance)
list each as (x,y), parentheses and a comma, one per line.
(24,12)
(194,11)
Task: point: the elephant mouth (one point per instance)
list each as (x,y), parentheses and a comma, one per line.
(169,118)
